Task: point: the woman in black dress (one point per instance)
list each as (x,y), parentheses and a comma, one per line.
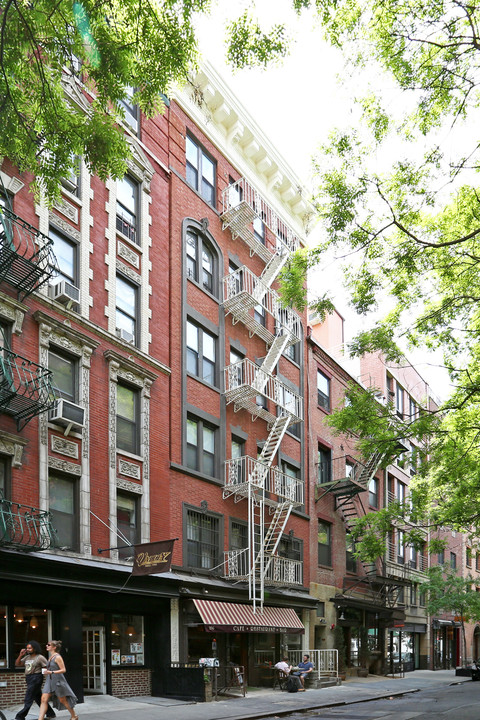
(56,685)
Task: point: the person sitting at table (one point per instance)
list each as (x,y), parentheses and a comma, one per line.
(283,666)
(304,668)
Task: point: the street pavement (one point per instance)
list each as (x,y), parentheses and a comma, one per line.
(258,703)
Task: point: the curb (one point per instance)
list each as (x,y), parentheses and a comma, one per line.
(341,703)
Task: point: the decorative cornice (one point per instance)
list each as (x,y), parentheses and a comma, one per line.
(129,486)
(51,328)
(13,311)
(129,369)
(65,227)
(64,466)
(214,108)
(12,445)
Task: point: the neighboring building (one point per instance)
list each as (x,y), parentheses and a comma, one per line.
(382,597)
(147,308)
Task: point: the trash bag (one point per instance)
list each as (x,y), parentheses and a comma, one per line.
(293,683)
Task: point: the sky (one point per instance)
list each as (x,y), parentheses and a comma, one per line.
(297,104)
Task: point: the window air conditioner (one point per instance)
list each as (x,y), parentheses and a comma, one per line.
(64,292)
(126,336)
(67,413)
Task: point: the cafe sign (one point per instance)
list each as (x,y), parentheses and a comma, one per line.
(150,558)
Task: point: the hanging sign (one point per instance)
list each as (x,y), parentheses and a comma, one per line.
(150,558)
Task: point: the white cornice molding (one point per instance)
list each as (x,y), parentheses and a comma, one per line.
(209,102)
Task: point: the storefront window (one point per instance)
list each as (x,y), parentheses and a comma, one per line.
(29,624)
(127,640)
(264,649)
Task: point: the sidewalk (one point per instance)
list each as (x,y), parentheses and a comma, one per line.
(259,702)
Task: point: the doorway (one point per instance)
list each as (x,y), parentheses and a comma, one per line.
(94,675)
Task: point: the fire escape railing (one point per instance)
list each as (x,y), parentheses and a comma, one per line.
(270,494)
(25,388)
(25,528)
(27,260)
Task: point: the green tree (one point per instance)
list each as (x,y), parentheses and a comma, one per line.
(398,195)
(65,67)
(447,592)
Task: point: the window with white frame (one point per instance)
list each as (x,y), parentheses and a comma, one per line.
(201,262)
(201,445)
(323,390)
(201,170)
(130,109)
(373,492)
(127,523)
(128,418)
(66,253)
(63,505)
(64,371)
(201,353)
(126,309)
(127,207)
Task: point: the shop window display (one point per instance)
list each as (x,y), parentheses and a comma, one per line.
(127,640)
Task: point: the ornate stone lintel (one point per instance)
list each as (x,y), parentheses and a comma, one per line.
(129,272)
(64,466)
(64,447)
(12,445)
(67,209)
(129,486)
(128,254)
(128,468)
(65,226)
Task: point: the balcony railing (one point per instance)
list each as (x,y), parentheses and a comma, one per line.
(243,291)
(241,205)
(275,486)
(25,387)
(245,382)
(25,528)
(27,260)
(281,571)
(403,556)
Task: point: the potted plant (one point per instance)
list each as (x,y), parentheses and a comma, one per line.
(339,640)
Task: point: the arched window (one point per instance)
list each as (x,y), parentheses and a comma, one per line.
(201,262)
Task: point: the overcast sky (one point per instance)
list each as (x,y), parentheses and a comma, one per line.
(297,104)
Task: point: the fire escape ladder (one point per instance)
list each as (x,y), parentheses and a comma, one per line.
(370,468)
(264,486)
(274,439)
(270,361)
(274,266)
(350,508)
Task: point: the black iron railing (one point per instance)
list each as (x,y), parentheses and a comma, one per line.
(27,260)
(25,528)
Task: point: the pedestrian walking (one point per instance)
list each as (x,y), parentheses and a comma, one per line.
(56,685)
(33,661)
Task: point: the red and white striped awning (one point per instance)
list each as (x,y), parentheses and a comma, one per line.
(235,617)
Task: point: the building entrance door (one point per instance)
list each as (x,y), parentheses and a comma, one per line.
(94,680)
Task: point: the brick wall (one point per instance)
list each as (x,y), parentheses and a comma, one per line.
(14,693)
(128,682)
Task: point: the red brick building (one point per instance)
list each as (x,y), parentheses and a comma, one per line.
(382,599)
(153,388)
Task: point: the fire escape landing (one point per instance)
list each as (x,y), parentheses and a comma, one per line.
(271,495)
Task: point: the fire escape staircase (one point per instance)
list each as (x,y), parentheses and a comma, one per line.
(271,494)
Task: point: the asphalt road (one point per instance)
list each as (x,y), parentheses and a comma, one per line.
(456,702)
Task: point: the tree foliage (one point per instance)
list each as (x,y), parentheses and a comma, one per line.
(399,199)
(52,53)
(447,592)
